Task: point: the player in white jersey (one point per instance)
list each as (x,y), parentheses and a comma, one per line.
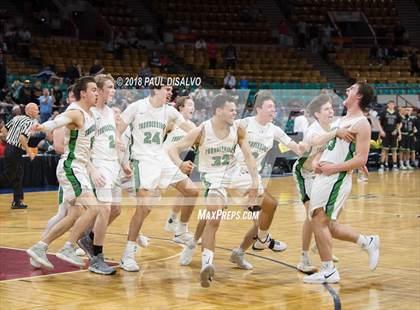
(185,105)
(261,133)
(105,158)
(72,172)
(316,136)
(217,140)
(152,169)
(331,188)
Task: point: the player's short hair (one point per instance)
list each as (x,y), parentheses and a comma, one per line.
(81,84)
(316,104)
(70,89)
(261,97)
(100,79)
(220,100)
(367,93)
(180,102)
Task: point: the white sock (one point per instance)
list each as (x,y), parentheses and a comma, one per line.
(173,215)
(327,265)
(401,163)
(305,254)
(262,235)
(207,257)
(407,163)
(181,228)
(131,248)
(240,250)
(43,245)
(68,244)
(363,241)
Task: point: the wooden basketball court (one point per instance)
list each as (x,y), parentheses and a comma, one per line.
(388,205)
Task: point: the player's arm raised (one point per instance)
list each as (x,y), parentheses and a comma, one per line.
(362,130)
(192,137)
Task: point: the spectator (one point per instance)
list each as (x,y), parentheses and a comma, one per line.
(2,139)
(57,94)
(301,35)
(399,33)
(326,35)
(314,37)
(46,102)
(96,68)
(243,83)
(119,43)
(73,71)
(132,40)
(229,82)
(283,30)
(3,71)
(145,71)
(201,44)
(25,93)
(212,53)
(230,56)
(155,59)
(414,68)
(36,90)
(24,41)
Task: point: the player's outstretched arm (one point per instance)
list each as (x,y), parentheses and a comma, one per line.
(74,117)
(250,162)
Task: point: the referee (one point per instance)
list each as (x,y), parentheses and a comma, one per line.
(18,129)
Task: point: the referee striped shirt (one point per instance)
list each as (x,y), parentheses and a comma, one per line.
(20,124)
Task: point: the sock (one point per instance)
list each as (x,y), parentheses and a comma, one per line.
(173,216)
(97,249)
(240,250)
(91,235)
(305,254)
(363,241)
(262,235)
(407,163)
(327,265)
(182,228)
(401,163)
(68,244)
(43,245)
(207,257)
(131,248)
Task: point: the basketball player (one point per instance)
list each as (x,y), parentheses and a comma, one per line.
(152,169)
(104,158)
(331,188)
(390,123)
(185,105)
(72,172)
(217,139)
(261,133)
(407,127)
(316,136)
(412,134)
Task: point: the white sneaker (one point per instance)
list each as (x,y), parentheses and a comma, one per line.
(143,241)
(187,253)
(34,263)
(373,250)
(395,169)
(269,243)
(323,276)
(128,263)
(409,167)
(381,169)
(80,252)
(314,250)
(238,257)
(183,238)
(206,275)
(171,224)
(68,254)
(39,255)
(402,167)
(305,266)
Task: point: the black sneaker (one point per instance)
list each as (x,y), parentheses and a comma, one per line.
(18,205)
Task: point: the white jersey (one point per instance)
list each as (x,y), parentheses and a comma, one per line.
(338,151)
(175,135)
(77,142)
(217,155)
(148,126)
(260,139)
(126,141)
(104,143)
